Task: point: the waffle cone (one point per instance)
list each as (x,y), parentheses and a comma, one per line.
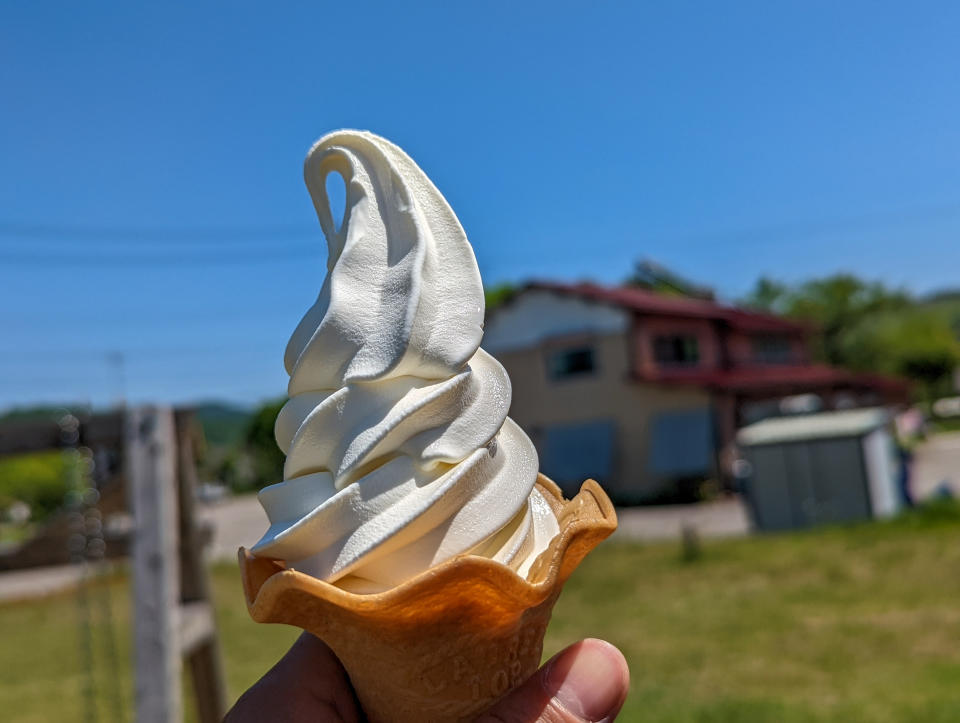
(446,644)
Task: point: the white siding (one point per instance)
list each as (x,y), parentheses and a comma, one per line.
(537,315)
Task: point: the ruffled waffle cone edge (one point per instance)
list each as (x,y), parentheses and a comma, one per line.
(445,645)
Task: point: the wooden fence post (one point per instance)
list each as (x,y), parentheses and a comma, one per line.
(151,459)
(203,653)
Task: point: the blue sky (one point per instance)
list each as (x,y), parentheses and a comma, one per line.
(151,198)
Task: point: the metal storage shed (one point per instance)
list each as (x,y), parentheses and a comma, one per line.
(821,468)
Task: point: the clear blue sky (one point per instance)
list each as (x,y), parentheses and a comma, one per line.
(725,140)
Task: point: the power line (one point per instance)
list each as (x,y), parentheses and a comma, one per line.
(68,233)
(792,231)
(140,355)
(153,319)
(134,382)
(128,255)
(164,259)
(72,233)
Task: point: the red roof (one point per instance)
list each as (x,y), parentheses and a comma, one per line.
(648,302)
(752,378)
(779,377)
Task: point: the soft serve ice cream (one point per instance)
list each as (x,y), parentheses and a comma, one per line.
(400,454)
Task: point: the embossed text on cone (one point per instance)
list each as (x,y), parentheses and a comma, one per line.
(448,643)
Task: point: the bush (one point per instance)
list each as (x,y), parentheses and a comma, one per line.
(39,479)
(266,459)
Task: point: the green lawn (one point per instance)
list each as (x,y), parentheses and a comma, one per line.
(940,426)
(857,624)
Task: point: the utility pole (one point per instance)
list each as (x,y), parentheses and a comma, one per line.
(117,361)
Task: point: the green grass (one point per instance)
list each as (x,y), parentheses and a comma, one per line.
(855,624)
(939,426)
(40,659)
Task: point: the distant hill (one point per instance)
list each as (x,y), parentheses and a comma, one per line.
(223,424)
(44,412)
(944,295)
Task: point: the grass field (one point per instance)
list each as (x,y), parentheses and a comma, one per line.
(940,426)
(855,624)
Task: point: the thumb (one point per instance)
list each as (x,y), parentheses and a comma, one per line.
(586,682)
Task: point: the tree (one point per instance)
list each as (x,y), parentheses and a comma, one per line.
(767,295)
(834,304)
(916,343)
(266,458)
(498,295)
(838,304)
(868,327)
(654,277)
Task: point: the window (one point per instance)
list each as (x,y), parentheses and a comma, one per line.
(676,350)
(571,362)
(772,349)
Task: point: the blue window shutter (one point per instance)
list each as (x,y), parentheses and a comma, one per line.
(574,452)
(681,443)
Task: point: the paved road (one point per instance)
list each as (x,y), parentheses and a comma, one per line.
(720,518)
(23,584)
(937,461)
(239,521)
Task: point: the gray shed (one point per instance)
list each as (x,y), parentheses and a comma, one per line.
(821,468)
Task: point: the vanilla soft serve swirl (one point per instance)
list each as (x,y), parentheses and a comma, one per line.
(400,453)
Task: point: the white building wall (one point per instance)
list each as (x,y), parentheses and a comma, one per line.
(537,315)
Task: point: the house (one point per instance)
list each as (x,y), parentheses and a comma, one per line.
(645,391)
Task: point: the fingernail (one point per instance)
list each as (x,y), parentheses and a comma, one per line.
(587,680)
